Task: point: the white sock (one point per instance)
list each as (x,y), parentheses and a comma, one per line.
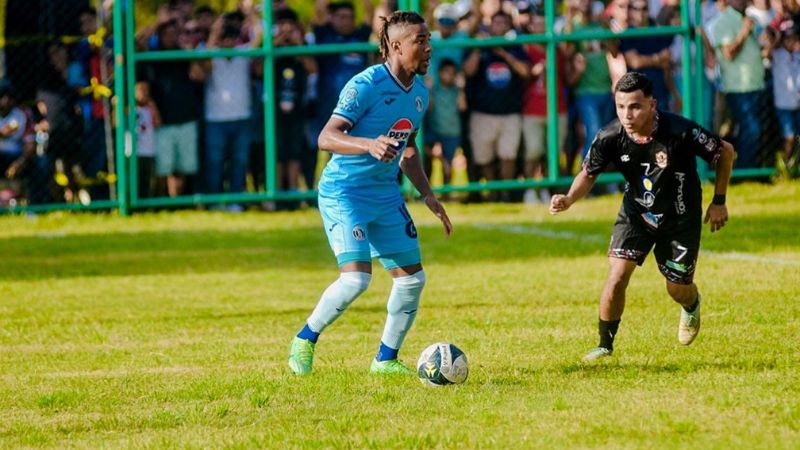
(336,298)
(402,307)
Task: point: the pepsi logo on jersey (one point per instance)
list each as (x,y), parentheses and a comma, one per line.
(400,132)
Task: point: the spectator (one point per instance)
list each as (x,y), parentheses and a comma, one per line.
(496,78)
(61,122)
(18,158)
(786,87)
(291,74)
(589,74)
(446,21)
(86,76)
(174,88)
(446,104)
(147,121)
(650,55)
(227,113)
(449,23)
(534,108)
(742,77)
(617,15)
(333,23)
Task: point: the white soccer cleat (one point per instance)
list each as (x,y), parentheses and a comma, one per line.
(689,325)
(597,353)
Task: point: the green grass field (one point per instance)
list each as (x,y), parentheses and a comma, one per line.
(171,330)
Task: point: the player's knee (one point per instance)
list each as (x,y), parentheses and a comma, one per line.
(618,281)
(355,283)
(406,292)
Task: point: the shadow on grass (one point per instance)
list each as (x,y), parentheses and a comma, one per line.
(306,248)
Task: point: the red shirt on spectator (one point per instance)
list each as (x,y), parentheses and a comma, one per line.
(535,100)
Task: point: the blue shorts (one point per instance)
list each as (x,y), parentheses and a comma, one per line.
(360,229)
(790,122)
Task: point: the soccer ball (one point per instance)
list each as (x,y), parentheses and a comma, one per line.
(442,363)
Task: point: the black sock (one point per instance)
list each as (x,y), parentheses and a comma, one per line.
(607,330)
(692,308)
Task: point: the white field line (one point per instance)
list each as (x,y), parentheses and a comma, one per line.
(596,238)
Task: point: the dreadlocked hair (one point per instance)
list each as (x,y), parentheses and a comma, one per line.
(396,18)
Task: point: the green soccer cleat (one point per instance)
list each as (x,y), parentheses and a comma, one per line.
(689,325)
(301,356)
(390,367)
(597,353)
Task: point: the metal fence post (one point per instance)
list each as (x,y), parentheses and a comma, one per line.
(119,129)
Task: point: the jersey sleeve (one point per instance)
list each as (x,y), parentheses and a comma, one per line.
(702,143)
(354,100)
(599,156)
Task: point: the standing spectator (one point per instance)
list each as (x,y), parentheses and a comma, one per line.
(496,78)
(650,55)
(227,113)
(742,76)
(786,87)
(86,76)
(61,121)
(291,74)
(447,103)
(590,75)
(449,24)
(534,108)
(147,121)
(334,23)
(174,88)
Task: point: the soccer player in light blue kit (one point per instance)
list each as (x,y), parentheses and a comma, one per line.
(372,136)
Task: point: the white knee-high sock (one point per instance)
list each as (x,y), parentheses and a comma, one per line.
(336,298)
(402,308)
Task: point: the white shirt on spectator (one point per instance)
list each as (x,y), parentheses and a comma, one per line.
(12,145)
(786,78)
(228,90)
(145,132)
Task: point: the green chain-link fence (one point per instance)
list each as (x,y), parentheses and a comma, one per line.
(218,104)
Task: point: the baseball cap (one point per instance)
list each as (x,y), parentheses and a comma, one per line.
(446,14)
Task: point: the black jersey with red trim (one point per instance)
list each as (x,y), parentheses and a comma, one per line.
(663,186)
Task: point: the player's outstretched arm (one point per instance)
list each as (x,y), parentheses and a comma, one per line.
(411,165)
(717,213)
(581,185)
(334,138)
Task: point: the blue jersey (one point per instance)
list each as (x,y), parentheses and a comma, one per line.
(375,103)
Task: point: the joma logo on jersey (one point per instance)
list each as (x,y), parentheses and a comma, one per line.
(400,131)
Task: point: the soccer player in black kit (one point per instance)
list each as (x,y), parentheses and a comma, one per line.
(655,151)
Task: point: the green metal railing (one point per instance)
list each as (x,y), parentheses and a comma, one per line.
(126,59)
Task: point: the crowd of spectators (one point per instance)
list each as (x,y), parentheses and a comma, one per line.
(201,121)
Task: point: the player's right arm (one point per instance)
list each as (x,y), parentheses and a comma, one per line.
(595,163)
(581,186)
(334,138)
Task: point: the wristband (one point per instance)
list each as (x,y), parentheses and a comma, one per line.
(719,199)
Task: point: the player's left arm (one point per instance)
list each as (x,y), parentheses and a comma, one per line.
(717,213)
(411,165)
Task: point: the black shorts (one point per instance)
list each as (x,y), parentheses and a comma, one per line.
(676,247)
(291,141)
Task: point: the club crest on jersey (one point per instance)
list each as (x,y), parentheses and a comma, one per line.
(358,233)
(661,159)
(400,131)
